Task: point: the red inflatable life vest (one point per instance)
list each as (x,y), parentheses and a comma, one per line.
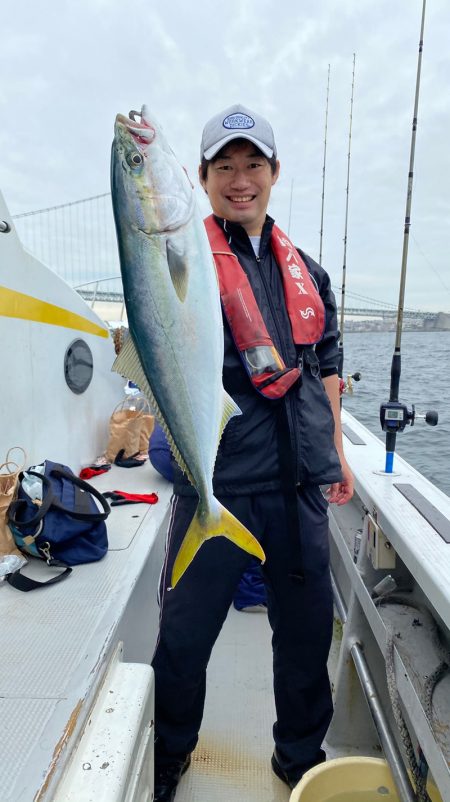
(305,308)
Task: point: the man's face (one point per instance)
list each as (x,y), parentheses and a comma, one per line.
(238,184)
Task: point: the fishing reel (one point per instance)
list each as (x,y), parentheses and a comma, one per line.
(395,416)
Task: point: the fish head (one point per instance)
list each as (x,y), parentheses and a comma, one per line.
(148,182)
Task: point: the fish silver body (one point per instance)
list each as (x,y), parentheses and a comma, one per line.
(175,351)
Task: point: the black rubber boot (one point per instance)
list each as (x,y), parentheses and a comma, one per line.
(283,775)
(167,777)
(289,778)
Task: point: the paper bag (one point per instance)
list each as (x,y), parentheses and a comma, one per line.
(130,426)
(9,478)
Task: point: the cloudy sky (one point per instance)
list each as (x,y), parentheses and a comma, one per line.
(67,68)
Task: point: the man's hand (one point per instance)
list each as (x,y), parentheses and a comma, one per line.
(341,492)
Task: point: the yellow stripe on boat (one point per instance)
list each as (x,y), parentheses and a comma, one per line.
(17,304)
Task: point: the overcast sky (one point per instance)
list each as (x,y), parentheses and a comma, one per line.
(67,68)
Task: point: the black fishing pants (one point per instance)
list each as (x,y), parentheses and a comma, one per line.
(300,614)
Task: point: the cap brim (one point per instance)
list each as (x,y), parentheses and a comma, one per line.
(211,152)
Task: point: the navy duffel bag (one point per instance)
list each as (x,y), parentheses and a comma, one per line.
(65,528)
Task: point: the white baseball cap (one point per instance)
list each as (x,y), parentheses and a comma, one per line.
(237,122)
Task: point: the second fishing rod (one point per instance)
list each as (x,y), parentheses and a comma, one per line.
(395,416)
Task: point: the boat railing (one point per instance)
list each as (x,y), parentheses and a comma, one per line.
(104,295)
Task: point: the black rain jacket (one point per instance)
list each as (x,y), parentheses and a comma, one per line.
(248,455)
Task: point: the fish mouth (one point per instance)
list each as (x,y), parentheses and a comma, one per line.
(142,132)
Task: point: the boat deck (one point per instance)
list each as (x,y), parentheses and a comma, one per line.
(81,620)
(57,642)
(232,759)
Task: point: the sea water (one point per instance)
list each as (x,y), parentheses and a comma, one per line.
(425,382)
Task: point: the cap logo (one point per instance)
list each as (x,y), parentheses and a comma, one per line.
(238,121)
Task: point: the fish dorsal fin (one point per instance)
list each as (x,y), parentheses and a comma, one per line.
(230,409)
(128,364)
(176,259)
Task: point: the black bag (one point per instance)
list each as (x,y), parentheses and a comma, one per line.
(65,529)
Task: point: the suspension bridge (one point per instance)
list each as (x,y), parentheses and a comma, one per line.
(77,241)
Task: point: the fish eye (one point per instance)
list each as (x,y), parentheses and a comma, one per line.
(134,159)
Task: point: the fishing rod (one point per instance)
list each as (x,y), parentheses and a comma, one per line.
(324,167)
(394,416)
(344,265)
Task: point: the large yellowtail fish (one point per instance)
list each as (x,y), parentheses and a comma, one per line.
(175,349)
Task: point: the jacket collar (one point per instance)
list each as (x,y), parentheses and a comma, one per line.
(238,237)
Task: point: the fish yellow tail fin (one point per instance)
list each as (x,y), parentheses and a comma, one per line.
(215,523)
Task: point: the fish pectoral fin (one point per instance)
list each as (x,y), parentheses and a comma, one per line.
(178,270)
(220,523)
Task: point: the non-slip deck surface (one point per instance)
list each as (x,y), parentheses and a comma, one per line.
(232,759)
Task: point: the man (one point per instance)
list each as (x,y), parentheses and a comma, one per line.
(280,366)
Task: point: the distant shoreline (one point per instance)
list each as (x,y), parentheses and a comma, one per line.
(376,329)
